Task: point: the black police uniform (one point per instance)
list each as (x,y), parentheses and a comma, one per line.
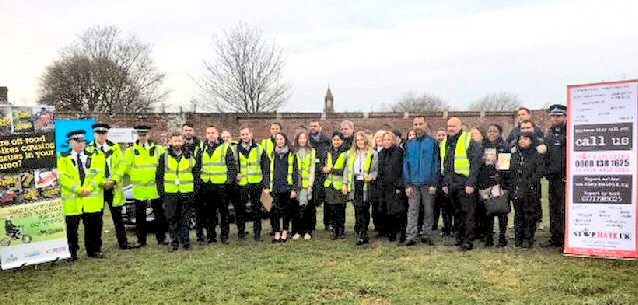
(556,160)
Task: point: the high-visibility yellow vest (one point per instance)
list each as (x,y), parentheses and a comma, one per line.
(461,161)
(304,165)
(250,168)
(214,168)
(334,180)
(178,175)
(141,166)
(366,169)
(268,146)
(291,162)
(117,169)
(72,186)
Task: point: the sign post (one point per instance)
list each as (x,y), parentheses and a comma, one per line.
(602,153)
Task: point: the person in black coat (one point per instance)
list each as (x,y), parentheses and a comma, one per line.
(490,176)
(527,168)
(390,182)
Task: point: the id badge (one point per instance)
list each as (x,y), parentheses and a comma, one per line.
(177,181)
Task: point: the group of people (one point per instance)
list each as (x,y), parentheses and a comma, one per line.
(402,186)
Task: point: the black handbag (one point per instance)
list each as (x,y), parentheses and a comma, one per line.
(498,202)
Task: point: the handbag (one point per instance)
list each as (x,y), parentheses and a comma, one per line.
(497,200)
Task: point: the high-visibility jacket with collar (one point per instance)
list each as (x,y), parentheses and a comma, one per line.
(141,165)
(292,173)
(216,163)
(253,165)
(175,174)
(349,176)
(72,186)
(306,165)
(461,159)
(114,159)
(337,160)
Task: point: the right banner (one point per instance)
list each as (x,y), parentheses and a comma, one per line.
(601,170)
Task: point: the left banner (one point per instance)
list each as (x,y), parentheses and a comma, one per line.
(34,231)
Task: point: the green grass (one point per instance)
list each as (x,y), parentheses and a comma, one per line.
(321,271)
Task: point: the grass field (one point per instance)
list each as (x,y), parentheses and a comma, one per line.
(321,271)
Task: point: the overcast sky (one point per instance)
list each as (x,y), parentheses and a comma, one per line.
(368,52)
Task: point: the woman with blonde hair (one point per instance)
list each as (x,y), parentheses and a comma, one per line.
(306,155)
(359,173)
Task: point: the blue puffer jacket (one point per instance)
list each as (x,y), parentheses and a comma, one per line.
(421,162)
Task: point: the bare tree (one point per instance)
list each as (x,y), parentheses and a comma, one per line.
(414,103)
(103,72)
(245,74)
(500,101)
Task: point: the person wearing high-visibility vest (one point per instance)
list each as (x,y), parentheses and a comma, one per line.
(218,169)
(359,173)
(460,165)
(175,176)
(284,186)
(335,200)
(232,190)
(253,180)
(304,219)
(113,174)
(268,144)
(81,176)
(141,165)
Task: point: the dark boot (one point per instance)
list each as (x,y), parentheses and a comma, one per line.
(502,241)
(489,241)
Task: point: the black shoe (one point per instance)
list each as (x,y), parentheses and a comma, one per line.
(96,255)
(224,241)
(74,257)
(333,235)
(173,248)
(187,247)
(427,241)
(241,237)
(502,242)
(142,244)
(408,243)
(212,240)
(392,237)
(466,247)
(489,242)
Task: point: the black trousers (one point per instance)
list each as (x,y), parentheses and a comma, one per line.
(361,209)
(443,209)
(379,211)
(525,218)
(557,211)
(304,217)
(395,210)
(178,208)
(502,226)
(480,218)
(203,216)
(280,214)
(336,207)
(249,193)
(218,203)
(161,225)
(92,223)
(319,198)
(464,207)
(116,216)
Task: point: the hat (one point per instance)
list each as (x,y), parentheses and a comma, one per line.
(397,133)
(77,135)
(101,128)
(142,129)
(557,109)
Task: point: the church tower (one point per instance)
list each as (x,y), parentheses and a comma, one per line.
(328,106)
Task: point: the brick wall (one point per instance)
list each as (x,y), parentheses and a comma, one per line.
(164,123)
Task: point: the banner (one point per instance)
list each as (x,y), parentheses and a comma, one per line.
(601,204)
(31,212)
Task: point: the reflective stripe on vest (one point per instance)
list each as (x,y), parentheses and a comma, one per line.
(334,180)
(366,169)
(214,167)
(250,168)
(178,176)
(291,162)
(461,161)
(303,164)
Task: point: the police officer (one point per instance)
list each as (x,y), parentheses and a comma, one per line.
(114,172)
(253,180)
(141,165)
(218,170)
(175,177)
(81,176)
(555,158)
